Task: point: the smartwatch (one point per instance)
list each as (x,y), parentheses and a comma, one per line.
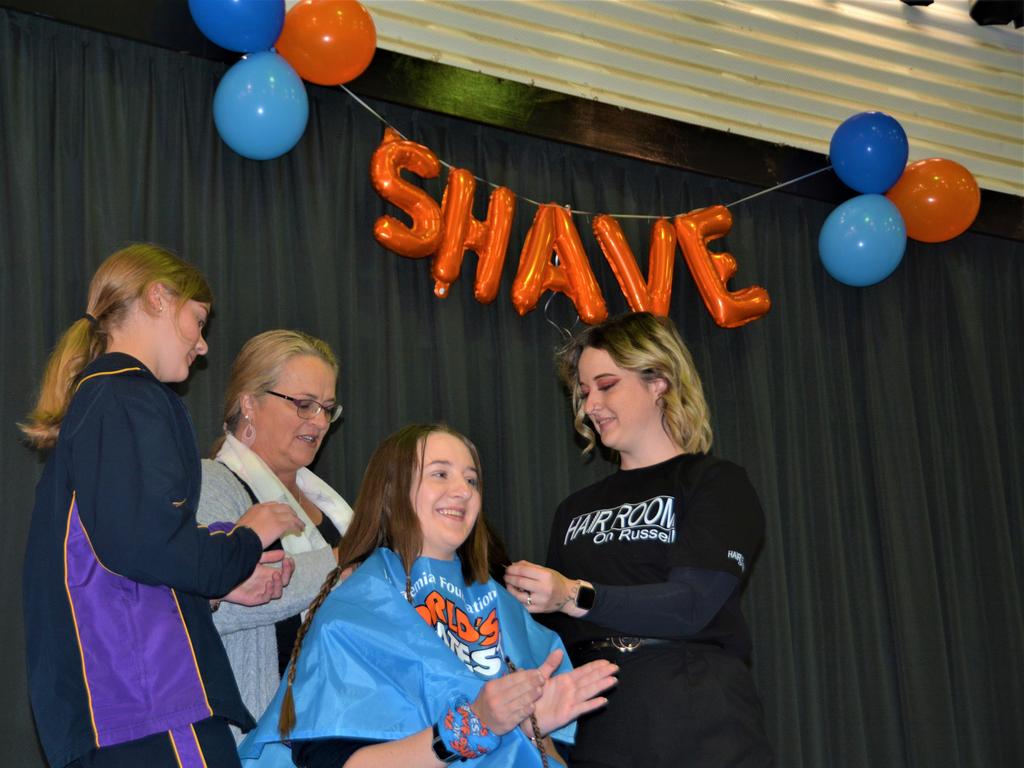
(585,596)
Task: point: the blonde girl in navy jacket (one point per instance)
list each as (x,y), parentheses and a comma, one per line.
(124,664)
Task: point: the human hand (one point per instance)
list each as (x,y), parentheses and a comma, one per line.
(287,569)
(504,702)
(266,582)
(271,520)
(573,693)
(540,589)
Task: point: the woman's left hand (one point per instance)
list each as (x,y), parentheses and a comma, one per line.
(569,695)
(540,589)
(267,581)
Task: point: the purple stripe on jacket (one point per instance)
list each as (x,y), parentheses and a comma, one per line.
(139,665)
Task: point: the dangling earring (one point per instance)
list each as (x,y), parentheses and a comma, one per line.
(249,433)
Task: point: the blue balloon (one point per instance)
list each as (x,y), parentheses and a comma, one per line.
(239,25)
(260,107)
(862,241)
(869,152)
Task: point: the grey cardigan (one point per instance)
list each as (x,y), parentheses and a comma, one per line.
(248,633)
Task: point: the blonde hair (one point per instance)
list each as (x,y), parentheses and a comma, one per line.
(651,347)
(122,278)
(258,367)
(385,517)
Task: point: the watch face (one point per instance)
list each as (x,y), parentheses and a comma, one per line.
(585,597)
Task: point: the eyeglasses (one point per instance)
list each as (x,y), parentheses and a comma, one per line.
(308,409)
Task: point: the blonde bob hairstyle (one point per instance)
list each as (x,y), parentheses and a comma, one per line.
(121,279)
(258,367)
(651,347)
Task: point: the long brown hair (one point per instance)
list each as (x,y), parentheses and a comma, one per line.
(384,517)
(121,279)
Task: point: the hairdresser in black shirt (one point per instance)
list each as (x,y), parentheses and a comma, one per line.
(646,567)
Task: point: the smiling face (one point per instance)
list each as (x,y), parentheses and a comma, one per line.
(180,338)
(284,440)
(622,406)
(446,495)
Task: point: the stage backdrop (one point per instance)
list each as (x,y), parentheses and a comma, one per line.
(882,426)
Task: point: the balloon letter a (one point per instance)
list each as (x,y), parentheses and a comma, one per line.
(553,229)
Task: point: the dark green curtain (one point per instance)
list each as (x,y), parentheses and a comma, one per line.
(882,426)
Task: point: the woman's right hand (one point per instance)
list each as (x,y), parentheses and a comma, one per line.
(504,702)
(271,520)
(539,589)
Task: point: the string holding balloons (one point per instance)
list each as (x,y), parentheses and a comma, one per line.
(863,240)
(261,107)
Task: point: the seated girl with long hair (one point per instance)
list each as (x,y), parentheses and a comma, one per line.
(419,658)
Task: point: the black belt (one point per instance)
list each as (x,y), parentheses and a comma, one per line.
(622,644)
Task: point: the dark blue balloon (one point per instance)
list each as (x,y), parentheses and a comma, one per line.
(869,152)
(261,107)
(862,241)
(239,25)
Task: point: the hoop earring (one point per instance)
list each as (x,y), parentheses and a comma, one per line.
(249,433)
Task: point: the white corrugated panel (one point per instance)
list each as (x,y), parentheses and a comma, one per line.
(786,71)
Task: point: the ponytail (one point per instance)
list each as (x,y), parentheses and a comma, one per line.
(121,279)
(79,346)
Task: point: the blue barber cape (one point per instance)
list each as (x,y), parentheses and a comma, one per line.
(373,668)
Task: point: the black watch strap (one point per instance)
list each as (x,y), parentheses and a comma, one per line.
(441,751)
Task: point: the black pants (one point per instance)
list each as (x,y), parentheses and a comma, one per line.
(680,705)
(160,750)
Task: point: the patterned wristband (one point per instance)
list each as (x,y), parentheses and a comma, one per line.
(463,733)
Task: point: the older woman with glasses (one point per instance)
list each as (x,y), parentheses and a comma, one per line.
(279,404)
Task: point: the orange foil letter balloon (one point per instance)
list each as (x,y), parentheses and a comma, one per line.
(553,229)
(654,295)
(461,232)
(392,156)
(711,271)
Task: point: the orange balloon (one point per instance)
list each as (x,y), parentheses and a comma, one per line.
(392,156)
(553,230)
(711,271)
(655,294)
(461,232)
(328,42)
(938,199)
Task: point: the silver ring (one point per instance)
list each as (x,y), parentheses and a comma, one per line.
(529,599)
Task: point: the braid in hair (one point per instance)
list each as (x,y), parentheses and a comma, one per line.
(287,720)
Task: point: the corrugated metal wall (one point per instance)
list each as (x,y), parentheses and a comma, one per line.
(786,71)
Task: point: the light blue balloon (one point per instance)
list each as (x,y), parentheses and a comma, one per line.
(239,25)
(260,107)
(862,241)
